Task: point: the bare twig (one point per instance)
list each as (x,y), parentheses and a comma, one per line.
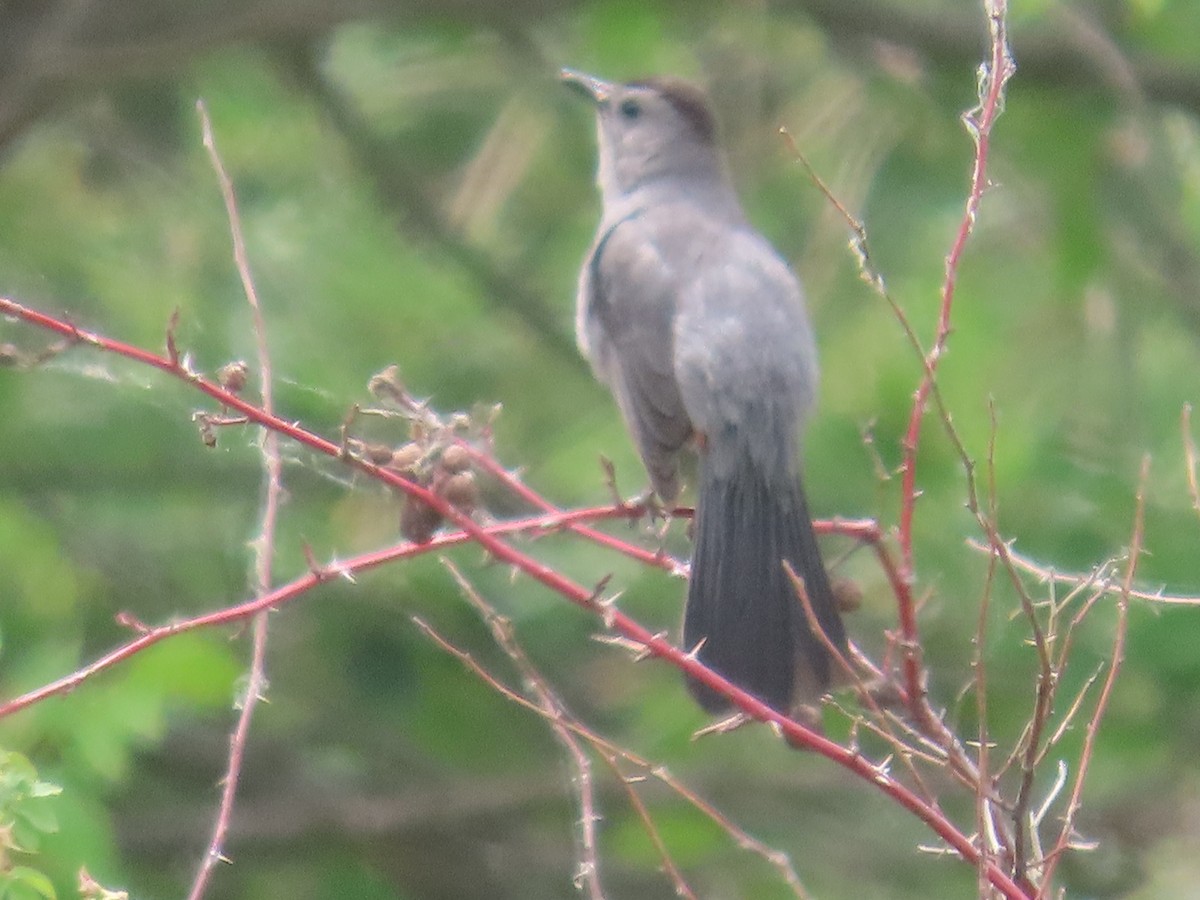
(588,871)
(883,724)
(613,754)
(264,544)
(280,596)
(858,231)
(1066,837)
(1189,455)
(994,75)
(983,802)
(1105,578)
(634,512)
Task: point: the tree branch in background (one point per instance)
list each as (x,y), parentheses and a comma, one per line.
(1063,53)
(405,195)
(55,50)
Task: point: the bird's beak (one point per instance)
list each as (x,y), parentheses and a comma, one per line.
(590,86)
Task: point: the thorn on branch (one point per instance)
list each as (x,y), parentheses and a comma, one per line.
(635,648)
(724,726)
(78,335)
(310,560)
(608,609)
(259,695)
(172,326)
(598,591)
(129,620)
(345,440)
(645,653)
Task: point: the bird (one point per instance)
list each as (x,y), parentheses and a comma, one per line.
(699,329)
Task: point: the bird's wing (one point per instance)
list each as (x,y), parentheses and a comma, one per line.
(628,317)
(745,364)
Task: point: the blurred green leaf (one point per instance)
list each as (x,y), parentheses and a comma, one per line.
(22,882)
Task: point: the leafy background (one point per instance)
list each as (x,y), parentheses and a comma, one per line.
(417,189)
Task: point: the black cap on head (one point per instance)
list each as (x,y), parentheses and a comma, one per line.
(689,101)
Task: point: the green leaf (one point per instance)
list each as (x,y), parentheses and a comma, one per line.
(45,789)
(39,815)
(22,882)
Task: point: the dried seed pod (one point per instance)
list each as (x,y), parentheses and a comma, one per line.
(208,434)
(407,458)
(386,385)
(232,376)
(456,458)
(380,454)
(461,491)
(418,520)
(848,595)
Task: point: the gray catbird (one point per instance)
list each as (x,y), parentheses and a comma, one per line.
(699,329)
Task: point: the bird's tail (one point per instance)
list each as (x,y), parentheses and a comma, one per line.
(741,603)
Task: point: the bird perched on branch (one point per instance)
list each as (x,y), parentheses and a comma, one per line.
(699,329)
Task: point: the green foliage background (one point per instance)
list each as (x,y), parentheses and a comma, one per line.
(417,189)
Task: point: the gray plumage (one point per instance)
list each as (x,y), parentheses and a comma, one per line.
(700,331)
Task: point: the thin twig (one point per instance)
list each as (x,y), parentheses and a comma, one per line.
(264,544)
(588,870)
(1189,455)
(280,596)
(1066,835)
(612,752)
(983,803)
(979,124)
(1106,581)
(994,76)
(656,558)
(882,727)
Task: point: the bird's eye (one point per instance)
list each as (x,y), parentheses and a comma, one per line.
(630,109)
